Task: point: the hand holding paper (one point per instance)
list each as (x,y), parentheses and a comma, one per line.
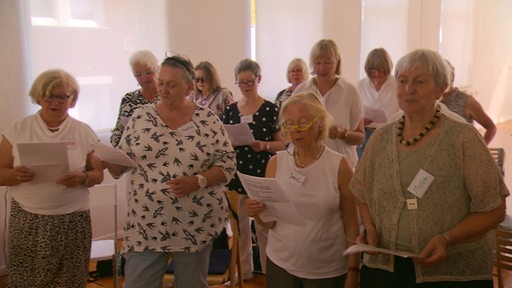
(240,134)
(48,161)
(360,247)
(375,115)
(113,155)
(267,191)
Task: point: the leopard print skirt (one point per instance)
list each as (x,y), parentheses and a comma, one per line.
(48,250)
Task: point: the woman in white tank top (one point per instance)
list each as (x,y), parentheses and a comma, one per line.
(315,179)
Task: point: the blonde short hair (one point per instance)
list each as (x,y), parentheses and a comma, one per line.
(297,62)
(315,108)
(325,48)
(49,79)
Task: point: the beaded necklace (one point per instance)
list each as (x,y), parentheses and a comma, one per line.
(422,133)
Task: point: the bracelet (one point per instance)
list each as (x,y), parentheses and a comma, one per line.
(446,237)
(86,178)
(354,269)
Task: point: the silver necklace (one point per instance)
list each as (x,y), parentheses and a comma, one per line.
(299,163)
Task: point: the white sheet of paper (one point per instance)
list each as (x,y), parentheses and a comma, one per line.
(49,161)
(360,247)
(240,134)
(267,191)
(376,115)
(113,155)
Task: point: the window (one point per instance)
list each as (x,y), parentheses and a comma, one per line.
(72,13)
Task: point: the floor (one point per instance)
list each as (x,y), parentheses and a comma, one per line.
(502,139)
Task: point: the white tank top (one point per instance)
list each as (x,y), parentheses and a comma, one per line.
(315,250)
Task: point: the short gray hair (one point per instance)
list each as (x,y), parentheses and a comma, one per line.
(430,60)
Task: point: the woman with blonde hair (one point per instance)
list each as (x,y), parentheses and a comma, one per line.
(339,97)
(49,223)
(316,179)
(296,73)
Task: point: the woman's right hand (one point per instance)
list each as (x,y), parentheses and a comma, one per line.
(254,207)
(23,174)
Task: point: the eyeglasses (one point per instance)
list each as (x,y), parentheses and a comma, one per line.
(61,99)
(200,80)
(300,126)
(245,83)
(376,70)
(143,73)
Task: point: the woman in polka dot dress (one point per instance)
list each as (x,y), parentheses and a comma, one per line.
(262,117)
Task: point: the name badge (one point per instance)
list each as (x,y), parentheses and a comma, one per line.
(412,204)
(420,183)
(296,179)
(187,129)
(246,119)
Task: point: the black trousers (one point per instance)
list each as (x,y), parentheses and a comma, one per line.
(405,277)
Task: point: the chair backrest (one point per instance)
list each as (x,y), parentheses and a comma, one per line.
(504,248)
(234,266)
(100,196)
(498,154)
(103,195)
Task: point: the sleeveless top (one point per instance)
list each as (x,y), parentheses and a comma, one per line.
(315,250)
(457,102)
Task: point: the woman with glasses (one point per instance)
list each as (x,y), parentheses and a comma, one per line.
(49,223)
(208,91)
(377,92)
(339,97)
(176,204)
(316,179)
(144,67)
(261,115)
(296,73)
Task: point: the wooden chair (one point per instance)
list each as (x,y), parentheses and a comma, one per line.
(233,253)
(503,253)
(106,249)
(498,154)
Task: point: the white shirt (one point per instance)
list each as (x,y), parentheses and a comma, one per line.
(50,198)
(384,99)
(344,104)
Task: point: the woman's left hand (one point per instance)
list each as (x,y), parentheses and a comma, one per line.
(258,145)
(183,185)
(434,252)
(72,179)
(336,132)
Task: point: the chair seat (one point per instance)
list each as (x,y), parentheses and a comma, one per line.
(102,249)
(219,262)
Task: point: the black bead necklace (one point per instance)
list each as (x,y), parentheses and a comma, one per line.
(422,133)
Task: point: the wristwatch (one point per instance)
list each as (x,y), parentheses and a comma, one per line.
(201,180)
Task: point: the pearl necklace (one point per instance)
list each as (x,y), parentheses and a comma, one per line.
(299,163)
(422,133)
